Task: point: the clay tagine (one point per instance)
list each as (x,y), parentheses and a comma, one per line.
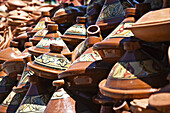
(136,75)
(13,4)
(76,33)
(111,48)
(153,26)
(53,36)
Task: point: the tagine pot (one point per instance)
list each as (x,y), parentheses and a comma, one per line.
(40,34)
(109,19)
(93,36)
(13,4)
(136,75)
(53,36)
(41,24)
(76,33)
(50,64)
(13,100)
(60,102)
(111,48)
(153,26)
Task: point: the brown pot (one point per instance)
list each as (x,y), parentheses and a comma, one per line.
(53,36)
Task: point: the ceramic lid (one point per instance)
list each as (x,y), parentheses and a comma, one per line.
(132,75)
(18,3)
(18,12)
(29,8)
(53,36)
(49,65)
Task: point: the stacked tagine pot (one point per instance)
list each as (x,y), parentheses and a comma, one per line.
(53,36)
(46,68)
(83,76)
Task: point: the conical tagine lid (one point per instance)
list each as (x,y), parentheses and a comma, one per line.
(136,75)
(50,64)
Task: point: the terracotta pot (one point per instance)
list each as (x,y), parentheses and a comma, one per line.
(38,95)
(111,48)
(93,36)
(41,24)
(50,64)
(136,75)
(109,19)
(40,34)
(151,30)
(13,4)
(76,33)
(53,36)
(60,101)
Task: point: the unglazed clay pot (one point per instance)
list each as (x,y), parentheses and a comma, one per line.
(40,34)
(93,36)
(109,19)
(53,36)
(76,33)
(41,24)
(82,78)
(136,75)
(60,102)
(111,48)
(50,64)
(153,26)
(13,4)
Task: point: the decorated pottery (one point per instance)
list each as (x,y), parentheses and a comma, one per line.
(50,64)
(53,36)
(153,26)
(38,95)
(136,75)
(93,36)
(41,24)
(40,34)
(76,33)
(93,9)
(60,101)
(82,78)
(111,48)
(109,19)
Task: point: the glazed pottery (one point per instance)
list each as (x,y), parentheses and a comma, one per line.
(93,9)
(82,78)
(93,36)
(111,48)
(40,34)
(76,33)
(41,24)
(53,36)
(60,102)
(153,26)
(109,19)
(38,95)
(136,75)
(50,64)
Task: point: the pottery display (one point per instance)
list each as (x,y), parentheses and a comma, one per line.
(53,36)
(76,33)
(153,26)
(111,48)
(110,18)
(13,4)
(136,75)
(50,64)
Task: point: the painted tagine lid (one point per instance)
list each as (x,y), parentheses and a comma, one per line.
(153,26)
(76,33)
(41,24)
(53,36)
(111,48)
(50,64)
(136,75)
(110,18)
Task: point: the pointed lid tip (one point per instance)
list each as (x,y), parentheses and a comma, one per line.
(93,29)
(52,27)
(44,14)
(130,12)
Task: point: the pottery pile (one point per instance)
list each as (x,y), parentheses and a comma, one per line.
(76,56)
